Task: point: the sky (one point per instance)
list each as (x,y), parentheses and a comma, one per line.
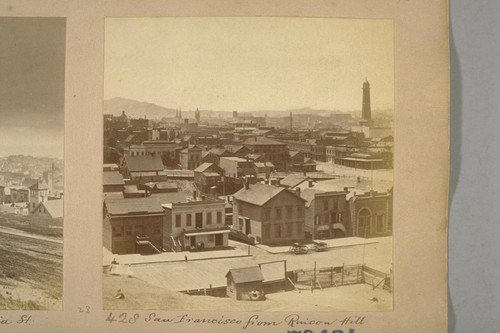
(32,66)
(250,64)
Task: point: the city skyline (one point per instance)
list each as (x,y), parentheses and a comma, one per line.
(227,64)
(32,71)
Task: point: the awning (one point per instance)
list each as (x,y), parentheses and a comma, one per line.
(339,226)
(201,233)
(323,227)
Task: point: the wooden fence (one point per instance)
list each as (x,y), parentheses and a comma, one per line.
(334,276)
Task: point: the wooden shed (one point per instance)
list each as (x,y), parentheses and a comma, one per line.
(245,283)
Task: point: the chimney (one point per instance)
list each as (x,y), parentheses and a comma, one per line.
(291,121)
(346,189)
(195,195)
(310,183)
(297,191)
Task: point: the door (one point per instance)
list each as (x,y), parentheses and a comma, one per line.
(199,220)
(139,230)
(248,229)
(219,239)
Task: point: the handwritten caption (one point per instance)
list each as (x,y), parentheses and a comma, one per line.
(340,325)
(19,320)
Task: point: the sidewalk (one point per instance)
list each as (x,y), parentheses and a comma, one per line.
(137,259)
(332,243)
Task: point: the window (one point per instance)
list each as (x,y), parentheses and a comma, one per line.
(188,220)
(340,217)
(209,217)
(219,217)
(277,230)
(117,231)
(317,219)
(289,212)
(128,230)
(364,221)
(335,204)
(211,238)
(380,223)
(267,214)
(300,211)
(265,231)
(326,218)
(325,205)
(278,213)
(299,229)
(178,220)
(289,229)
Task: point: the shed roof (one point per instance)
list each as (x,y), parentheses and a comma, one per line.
(112,178)
(203,167)
(246,274)
(149,205)
(293,180)
(144,163)
(54,208)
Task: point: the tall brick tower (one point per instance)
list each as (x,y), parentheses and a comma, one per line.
(366,113)
(197,115)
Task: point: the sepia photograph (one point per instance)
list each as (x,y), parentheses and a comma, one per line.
(32,76)
(247,164)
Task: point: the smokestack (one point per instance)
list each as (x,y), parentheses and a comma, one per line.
(297,191)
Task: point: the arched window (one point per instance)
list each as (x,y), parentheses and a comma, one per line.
(364,222)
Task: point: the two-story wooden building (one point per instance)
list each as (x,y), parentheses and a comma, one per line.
(135,225)
(270,214)
(195,225)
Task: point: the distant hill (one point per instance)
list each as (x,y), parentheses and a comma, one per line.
(136,109)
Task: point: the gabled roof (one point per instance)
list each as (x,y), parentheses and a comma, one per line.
(293,180)
(203,167)
(235,148)
(144,163)
(246,274)
(54,208)
(219,151)
(28,182)
(149,205)
(258,194)
(39,186)
(112,178)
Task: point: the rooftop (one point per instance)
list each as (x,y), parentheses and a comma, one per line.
(246,274)
(258,194)
(144,163)
(149,205)
(55,208)
(260,140)
(293,180)
(112,178)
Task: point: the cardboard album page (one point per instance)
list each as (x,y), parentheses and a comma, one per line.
(225,166)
